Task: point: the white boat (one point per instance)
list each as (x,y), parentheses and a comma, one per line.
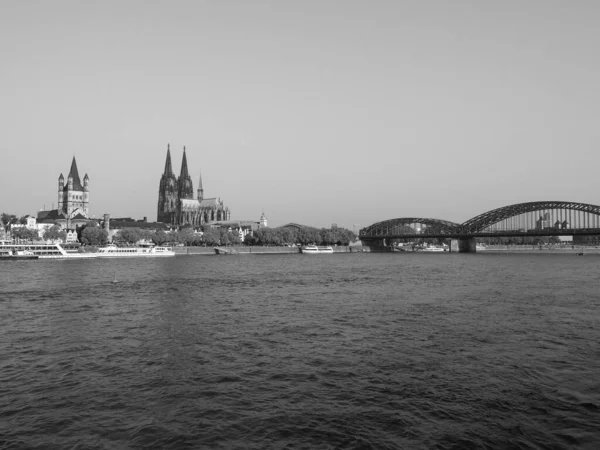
(17,255)
(112,251)
(42,251)
(434,248)
(316,249)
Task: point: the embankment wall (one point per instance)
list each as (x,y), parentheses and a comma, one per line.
(249,250)
(541,249)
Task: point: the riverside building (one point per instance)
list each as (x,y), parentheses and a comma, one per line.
(73,201)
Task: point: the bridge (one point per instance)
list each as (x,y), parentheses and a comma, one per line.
(545,218)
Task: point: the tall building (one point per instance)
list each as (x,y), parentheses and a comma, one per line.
(176,203)
(73,201)
(73,197)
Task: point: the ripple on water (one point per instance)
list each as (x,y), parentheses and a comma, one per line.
(352,351)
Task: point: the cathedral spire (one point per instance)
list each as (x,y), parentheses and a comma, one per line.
(74,174)
(168,167)
(185,185)
(184,168)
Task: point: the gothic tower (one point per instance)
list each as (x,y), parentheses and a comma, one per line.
(61,189)
(74,196)
(167,193)
(186,188)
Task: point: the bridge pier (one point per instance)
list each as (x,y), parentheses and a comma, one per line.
(463,245)
(376,245)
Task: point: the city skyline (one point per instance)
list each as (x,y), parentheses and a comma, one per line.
(312,113)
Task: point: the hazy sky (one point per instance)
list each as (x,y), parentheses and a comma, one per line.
(315,112)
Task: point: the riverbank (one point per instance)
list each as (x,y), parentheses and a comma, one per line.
(540,249)
(248,250)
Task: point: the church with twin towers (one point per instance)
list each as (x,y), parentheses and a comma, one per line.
(176,203)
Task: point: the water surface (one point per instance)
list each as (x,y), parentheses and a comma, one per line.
(301,351)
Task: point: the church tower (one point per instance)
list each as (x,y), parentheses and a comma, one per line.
(186,188)
(74,196)
(86,195)
(61,189)
(167,193)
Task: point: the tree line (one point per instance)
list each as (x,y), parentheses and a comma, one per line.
(94,235)
(303,236)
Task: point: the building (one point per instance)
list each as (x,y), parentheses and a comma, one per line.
(240,227)
(176,203)
(73,202)
(263,220)
(3,233)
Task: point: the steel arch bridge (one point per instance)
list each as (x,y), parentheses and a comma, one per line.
(544,218)
(582,214)
(409,226)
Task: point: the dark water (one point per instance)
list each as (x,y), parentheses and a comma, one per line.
(297,351)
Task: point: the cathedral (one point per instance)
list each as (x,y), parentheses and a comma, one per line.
(176,203)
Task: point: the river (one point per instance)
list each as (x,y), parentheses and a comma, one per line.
(353,350)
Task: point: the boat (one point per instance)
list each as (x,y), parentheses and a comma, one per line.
(39,251)
(225,251)
(112,251)
(316,249)
(434,248)
(18,255)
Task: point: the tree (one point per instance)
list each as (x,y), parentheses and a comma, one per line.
(211,236)
(8,219)
(55,233)
(94,236)
(127,236)
(288,235)
(228,238)
(186,236)
(159,237)
(328,236)
(250,240)
(24,233)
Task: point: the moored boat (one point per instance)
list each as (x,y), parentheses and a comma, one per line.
(18,255)
(112,251)
(434,248)
(38,251)
(316,249)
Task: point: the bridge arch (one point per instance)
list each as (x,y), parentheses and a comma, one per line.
(401,226)
(585,215)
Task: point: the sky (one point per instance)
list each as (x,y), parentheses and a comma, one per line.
(313,112)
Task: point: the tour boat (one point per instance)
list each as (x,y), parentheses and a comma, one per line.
(17,255)
(316,249)
(112,251)
(39,251)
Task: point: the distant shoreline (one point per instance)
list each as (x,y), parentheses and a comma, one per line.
(258,250)
(539,249)
(249,250)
